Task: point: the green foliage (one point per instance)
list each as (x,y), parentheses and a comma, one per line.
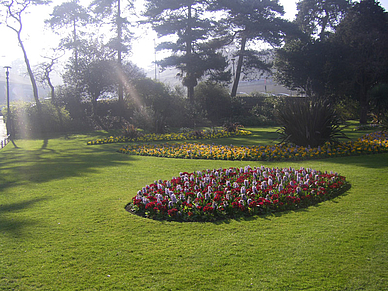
(214,100)
(27,121)
(361,60)
(157,106)
(347,108)
(378,103)
(130,131)
(384,122)
(232,126)
(308,123)
(195,49)
(266,110)
(342,53)
(317,18)
(247,22)
(302,65)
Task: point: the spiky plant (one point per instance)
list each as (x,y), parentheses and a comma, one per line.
(308,123)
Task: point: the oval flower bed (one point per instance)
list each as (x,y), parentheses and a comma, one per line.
(211,195)
(152,137)
(368,144)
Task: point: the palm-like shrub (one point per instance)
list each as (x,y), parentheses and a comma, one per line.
(308,123)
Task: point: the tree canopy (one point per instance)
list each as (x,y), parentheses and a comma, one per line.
(248,22)
(348,61)
(195,44)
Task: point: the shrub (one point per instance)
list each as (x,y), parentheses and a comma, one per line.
(157,106)
(27,122)
(130,131)
(308,123)
(214,100)
(232,126)
(378,97)
(348,108)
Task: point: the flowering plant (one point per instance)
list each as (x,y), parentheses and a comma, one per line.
(151,137)
(368,144)
(210,195)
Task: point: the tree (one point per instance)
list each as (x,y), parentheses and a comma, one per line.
(95,70)
(302,66)
(69,15)
(317,18)
(14,21)
(251,21)
(157,106)
(194,49)
(304,62)
(44,72)
(361,40)
(209,96)
(120,43)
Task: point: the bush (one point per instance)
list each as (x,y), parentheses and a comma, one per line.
(308,123)
(348,109)
(130,131)
(157,106)
(214,101)
(230,126)
(27,122)
(378,97)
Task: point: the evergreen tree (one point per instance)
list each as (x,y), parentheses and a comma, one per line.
(361,40)
(69,15)
(194,46)
(303,62)
(318,18)
(250,21)
(113,11)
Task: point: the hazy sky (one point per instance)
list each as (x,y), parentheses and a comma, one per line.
(37,38)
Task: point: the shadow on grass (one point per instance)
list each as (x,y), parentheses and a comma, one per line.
(37,161)
(11,226)
(373,161)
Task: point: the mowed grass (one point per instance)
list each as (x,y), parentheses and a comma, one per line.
(63,226)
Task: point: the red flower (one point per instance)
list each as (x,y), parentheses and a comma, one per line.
(172,212)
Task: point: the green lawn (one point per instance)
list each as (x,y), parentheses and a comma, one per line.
(63,226)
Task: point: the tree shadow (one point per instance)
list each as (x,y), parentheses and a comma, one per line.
(14,227)
(372,161)
(24,165)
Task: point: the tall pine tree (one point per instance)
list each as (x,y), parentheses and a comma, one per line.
(113,11)
(250,21)
(191,39)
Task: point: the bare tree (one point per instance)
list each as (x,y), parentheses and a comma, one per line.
(13,20)
(44,70)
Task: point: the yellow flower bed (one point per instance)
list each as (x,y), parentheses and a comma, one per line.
(368,144)
(152,137)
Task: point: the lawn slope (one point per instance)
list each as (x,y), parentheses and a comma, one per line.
(63,227)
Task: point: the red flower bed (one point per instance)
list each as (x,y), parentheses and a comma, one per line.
(230,193)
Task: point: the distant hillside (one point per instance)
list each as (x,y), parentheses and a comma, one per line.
(169,77)
(20,89)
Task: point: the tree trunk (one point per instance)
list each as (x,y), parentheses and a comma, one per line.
(239,66)
(190,79)
(75,46)
(119,57)
(363,106)
(30,73)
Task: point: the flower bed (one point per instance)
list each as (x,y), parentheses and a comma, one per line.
(210,195)
(152,137)
(368,144)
